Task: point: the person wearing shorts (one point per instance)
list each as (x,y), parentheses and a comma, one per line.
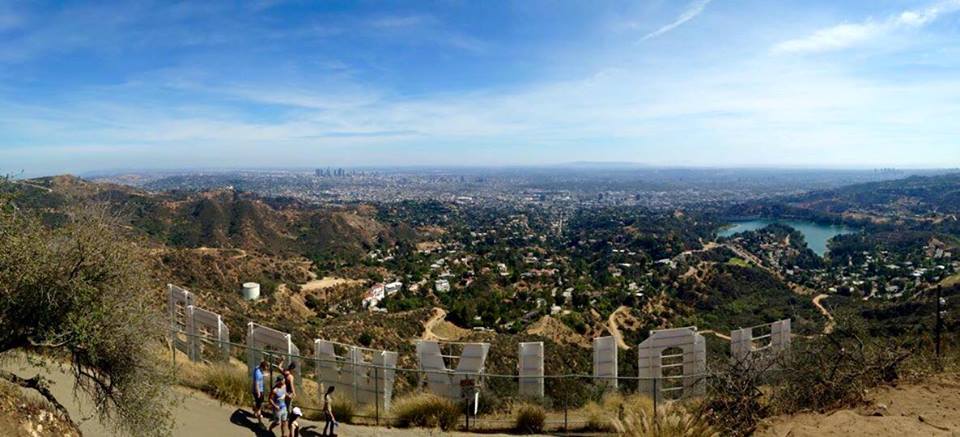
(278,400)
(295,413)
(290,387)
(258,391)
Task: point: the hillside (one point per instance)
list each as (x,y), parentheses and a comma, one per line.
(211,241)
(918,195)
(927,199)
(223,218)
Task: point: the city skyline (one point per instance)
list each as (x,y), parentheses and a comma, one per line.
(702,83)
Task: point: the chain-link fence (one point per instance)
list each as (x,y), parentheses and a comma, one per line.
(373,388)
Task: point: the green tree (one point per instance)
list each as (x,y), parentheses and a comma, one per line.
(78,294)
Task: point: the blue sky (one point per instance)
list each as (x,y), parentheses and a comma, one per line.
(99,85)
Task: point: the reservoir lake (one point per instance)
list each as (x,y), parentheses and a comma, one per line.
(815,234)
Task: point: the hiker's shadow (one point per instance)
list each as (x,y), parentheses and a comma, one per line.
(247,420)
(310,431)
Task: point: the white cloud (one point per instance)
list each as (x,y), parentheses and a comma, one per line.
(757,112)
(694,9)
(848,35)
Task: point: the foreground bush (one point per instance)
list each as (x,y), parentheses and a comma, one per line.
(819,373)
(673,419)
(836,369)
(228,384)
(77,287)
(633,416)
(735,401)
(343,409)
(529,419)
(426,410)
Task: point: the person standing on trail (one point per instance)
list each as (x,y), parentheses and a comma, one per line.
(289,383)
(258,390)
(278,399)
(328,412)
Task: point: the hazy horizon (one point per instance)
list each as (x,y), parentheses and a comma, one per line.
(584,166)
(699,84)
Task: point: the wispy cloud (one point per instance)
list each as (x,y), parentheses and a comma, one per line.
(425,29)
(402,21)
(694,9)
(848,35)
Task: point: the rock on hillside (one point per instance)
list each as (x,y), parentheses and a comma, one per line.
(23,415)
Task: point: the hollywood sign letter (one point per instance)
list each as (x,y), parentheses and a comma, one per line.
(530,367)
(363,380)
(605,362)
(206,328)
(743,343)
(178,299)
(681,348)
(270,344)
(444,381)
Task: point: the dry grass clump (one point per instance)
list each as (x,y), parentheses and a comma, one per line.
(343,409)
(529,419)
(633,416)
(228,384)
(425,410)
(672,420)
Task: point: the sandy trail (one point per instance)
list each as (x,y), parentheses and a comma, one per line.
(710,245)
(817,302)
(614,328)
(196,414)
(715,334)
(327,282)
(438,316)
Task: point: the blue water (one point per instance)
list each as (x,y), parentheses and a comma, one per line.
(816,234)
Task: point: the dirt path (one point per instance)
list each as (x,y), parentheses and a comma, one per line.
(931,408)
(817,302)
(327,282)
(29,184)
(240,253)
(197,414)
(715,334)
(438,316)
(751,258)
(706,248)
(614,328)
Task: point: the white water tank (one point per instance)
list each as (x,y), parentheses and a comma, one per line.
(251,291)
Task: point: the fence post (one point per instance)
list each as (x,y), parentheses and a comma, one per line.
(565,399)
(376,392)
(655,400)
(466,414)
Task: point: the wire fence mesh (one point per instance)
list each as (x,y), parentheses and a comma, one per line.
(481,397)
